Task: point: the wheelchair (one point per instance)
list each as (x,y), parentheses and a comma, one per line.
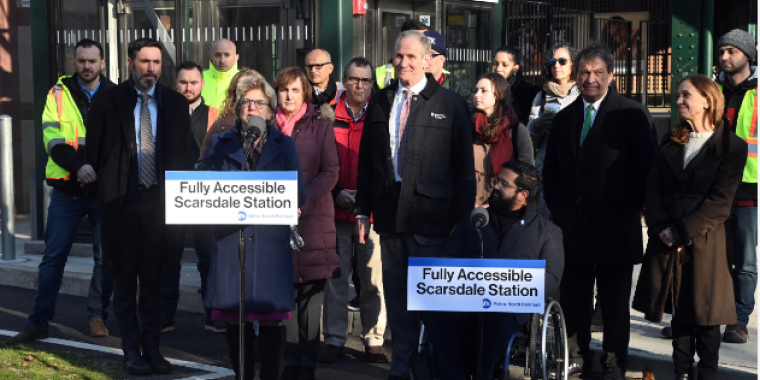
(540,346)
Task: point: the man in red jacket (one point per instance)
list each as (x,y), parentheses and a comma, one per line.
(349,122)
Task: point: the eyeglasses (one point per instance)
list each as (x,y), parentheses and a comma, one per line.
(258,103)
(355,80)
(552,62)
(317,66)
(435,55)
(502,184)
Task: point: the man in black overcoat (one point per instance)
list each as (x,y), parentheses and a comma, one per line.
(137,131)
(415,177)
(597,162)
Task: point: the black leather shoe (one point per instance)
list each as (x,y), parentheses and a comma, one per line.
(576,369)
(134,364)
(613,372)
(158,364)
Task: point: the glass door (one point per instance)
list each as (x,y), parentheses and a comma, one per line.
(469,36)
(388,29)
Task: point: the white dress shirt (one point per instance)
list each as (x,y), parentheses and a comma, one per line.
(153,108)
(597,104)
(395,119)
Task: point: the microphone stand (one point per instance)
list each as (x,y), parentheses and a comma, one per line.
(479,326)
(241,256)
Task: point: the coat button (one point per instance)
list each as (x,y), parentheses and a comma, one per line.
(252,239)
(578,199)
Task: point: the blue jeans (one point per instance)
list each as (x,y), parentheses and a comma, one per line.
(202,242)
(743,222)
(64,216)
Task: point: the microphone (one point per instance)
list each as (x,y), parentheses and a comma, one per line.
(256,125)
(479,217)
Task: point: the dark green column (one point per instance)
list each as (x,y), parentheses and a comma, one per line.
(44,77)
(336,23)
(687,27)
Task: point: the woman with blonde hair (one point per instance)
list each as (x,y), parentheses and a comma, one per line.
(227,116)
(269,264)
(689,195)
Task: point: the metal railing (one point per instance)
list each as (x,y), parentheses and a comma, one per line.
(655,82)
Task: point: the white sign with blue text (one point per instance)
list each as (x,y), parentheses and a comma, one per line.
(476,285)
(244,198)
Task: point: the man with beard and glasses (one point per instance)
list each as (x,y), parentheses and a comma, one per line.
(63,132)
(190,84)
(137,131)
(515,231)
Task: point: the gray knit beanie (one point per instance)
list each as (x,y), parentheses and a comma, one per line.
(740,40)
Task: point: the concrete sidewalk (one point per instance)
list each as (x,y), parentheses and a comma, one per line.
(647,345)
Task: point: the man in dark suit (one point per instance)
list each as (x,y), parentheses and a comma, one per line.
(137,131)
(597,161)
(416,177)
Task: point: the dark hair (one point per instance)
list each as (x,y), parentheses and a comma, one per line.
(359,62)
(190,65)
(528,177)
(715,102)
(137,45)
(291,74)
(595,50)
(546,72)
(503,97)
(413,24)
(88,43)
(512,51)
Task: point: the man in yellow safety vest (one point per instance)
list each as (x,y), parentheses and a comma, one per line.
(63,132)
(738,82)
(224,58)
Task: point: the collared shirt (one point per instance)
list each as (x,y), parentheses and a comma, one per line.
(395,119)
(597,104)
(361,112)
(153,108)
(89,94)
(192,108)
(318,91)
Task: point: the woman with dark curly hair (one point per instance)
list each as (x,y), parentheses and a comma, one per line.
(506,62)
(558,92)
(497,135)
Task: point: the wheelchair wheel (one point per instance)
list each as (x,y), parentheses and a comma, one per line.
(514,341)
(554,359)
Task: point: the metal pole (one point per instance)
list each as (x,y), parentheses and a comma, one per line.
(8,226)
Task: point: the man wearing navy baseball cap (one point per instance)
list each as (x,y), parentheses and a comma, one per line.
(444,78)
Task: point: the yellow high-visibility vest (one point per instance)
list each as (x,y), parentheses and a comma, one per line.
(61,124)
(746,128)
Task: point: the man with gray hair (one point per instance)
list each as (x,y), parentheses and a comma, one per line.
(349,122)
(597,161)
(415,179)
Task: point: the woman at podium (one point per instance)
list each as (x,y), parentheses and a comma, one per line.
(269,263)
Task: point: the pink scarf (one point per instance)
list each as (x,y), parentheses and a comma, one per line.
(286,126)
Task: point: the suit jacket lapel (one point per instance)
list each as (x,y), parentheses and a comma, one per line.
(126,110)
(575,129)
(608,104)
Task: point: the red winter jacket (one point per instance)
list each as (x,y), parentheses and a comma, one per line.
(348,135)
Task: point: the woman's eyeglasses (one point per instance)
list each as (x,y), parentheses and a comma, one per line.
(552,62)
(258,103)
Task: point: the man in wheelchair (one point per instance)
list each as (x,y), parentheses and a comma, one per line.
(515,231)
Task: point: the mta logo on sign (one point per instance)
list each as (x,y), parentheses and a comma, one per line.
(242,216)
(425,20)
(486,303)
